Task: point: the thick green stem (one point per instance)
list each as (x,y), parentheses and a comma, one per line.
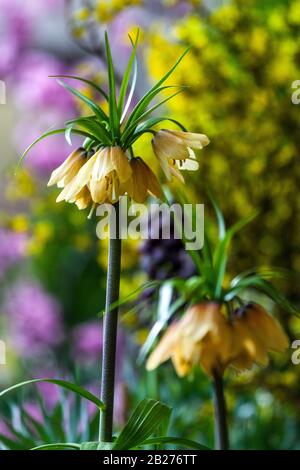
(110,327)
(221,430)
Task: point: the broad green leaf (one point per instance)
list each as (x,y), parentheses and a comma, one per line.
(156,120)
(84,80)
(90,103)
(68,133)
(10,443)
(145,420)
(124,300)
(221,252)
(157,88)
(167,75)
(47,134)
(131,92)
(144,115)
(264,286)
(94,128)
(40,429)
(61,383)
(88,144)
(96,446)
(58,446)
(146,126)
(219,214)
(140,108)
(262,272)
(23,438)
(126,76)
(156,106)
(178,441)
(113,110)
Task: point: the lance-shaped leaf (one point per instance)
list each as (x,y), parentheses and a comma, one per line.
(84,80)
(58,446)
(90,103)
(49,133)
(178,441)
(61,383)
(221,253)
(147,418)
(126,76)
(94,128)
(113,110)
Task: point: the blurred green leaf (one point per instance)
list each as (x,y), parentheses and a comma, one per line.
(145,420)
(61,383)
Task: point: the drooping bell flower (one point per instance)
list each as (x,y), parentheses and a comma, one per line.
(174,150)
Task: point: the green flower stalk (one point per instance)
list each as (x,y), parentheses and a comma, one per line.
(219,329)
(105,168)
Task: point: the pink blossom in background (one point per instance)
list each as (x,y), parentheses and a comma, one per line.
(121,403)
(87,341)
(34,410)
(34,318)
(5,431)
(43,105)
(47,155)
(35,88)
(50,393)
(12,248)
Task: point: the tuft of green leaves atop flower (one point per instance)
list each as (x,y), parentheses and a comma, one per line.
(105,167)
(222,324)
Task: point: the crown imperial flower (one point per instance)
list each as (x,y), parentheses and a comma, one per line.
(174,151)
(105,167)
(205,337)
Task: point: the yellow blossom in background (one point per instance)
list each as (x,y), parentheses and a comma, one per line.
(20,223)
(22,186)
(243,58)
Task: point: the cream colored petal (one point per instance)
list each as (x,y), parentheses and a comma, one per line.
(181,365)
(113,188)
(83,199)
(82,179)
(169,146)
(103,164)
(120,163)
(154,187)
(164,162)
(98,190)
(59,174)
(165,347)
(191,139)
(177,174)
(137,185)
(265,328)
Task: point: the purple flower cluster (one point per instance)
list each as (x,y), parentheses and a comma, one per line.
(34,319)
(12,249)
(17,27)
(40,102)
(87,341)
(38,95)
